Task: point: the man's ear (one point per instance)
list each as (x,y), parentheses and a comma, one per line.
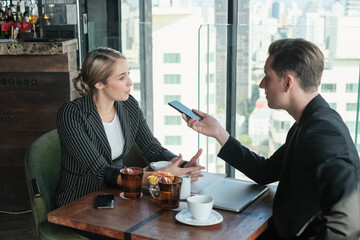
(288,81)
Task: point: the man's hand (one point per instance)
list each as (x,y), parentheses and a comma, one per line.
(208,126)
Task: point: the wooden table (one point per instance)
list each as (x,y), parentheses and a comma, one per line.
(144,219)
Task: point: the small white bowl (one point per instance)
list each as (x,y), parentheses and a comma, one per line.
(156,166)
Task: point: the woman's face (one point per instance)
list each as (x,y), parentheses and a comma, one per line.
(119,83)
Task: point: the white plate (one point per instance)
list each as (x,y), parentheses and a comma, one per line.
(185,217)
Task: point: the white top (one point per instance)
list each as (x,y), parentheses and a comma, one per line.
(115,137)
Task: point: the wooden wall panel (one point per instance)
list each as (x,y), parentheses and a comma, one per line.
(32,89)
(12,157)
(21,139)
(25,120)
(36,63)
(30,101)
(34,81)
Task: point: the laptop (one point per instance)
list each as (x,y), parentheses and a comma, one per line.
(233,194)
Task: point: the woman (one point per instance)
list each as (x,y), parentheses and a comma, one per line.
(98,129)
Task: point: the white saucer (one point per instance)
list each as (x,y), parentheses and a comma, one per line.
(185,217)
(123,196)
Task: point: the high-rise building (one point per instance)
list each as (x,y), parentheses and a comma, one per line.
(243,55)
(259,123)
(175,74)
(337,9)
(353,8)
(315,25)
(221,43)
(275,10)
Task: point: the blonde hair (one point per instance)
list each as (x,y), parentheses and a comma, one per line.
(97,67)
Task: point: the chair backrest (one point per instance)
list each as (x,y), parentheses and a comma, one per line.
(42,162)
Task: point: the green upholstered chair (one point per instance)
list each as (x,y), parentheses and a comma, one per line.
(42,162)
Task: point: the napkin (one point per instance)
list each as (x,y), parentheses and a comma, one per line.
(21,24)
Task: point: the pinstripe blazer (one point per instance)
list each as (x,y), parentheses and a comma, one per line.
(86,163)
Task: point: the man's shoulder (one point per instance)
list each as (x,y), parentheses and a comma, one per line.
(325,129)
(323,121)
(319,111)
(326,115)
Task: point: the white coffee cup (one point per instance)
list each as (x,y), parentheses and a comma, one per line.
(156,166)
(200,206)
(185,187)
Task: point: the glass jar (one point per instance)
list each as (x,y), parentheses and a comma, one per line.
(155,191)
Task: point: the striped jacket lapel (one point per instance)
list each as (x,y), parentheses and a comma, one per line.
(96,125)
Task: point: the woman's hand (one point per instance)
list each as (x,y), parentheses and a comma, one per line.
(208,126)
(193,162)
(193,170)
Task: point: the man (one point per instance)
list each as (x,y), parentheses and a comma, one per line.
(318,167)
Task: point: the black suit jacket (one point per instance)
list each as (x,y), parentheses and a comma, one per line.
(86,163)
(318,171)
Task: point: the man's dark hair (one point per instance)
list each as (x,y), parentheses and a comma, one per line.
(300,57)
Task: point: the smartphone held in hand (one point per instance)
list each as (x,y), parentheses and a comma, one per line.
(183,109)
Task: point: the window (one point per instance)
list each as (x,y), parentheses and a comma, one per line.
(351,87)
(211,98)
(169,98)
(351,125)
(204,62)
(328,87)
(211,158)
(172,58)
(172,79)
(281,126)
(333,105)
(136,86)
(211,57)
(173,140)
(351,106)
(172,120)
(211,77)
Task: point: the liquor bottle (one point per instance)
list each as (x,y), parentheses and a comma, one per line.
(6,13)
(2,15)
(12,7)
(18,7)
(18,12)
(10,16)
(26,12)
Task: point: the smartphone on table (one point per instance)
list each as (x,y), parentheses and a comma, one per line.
(183,109)
(104,201)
